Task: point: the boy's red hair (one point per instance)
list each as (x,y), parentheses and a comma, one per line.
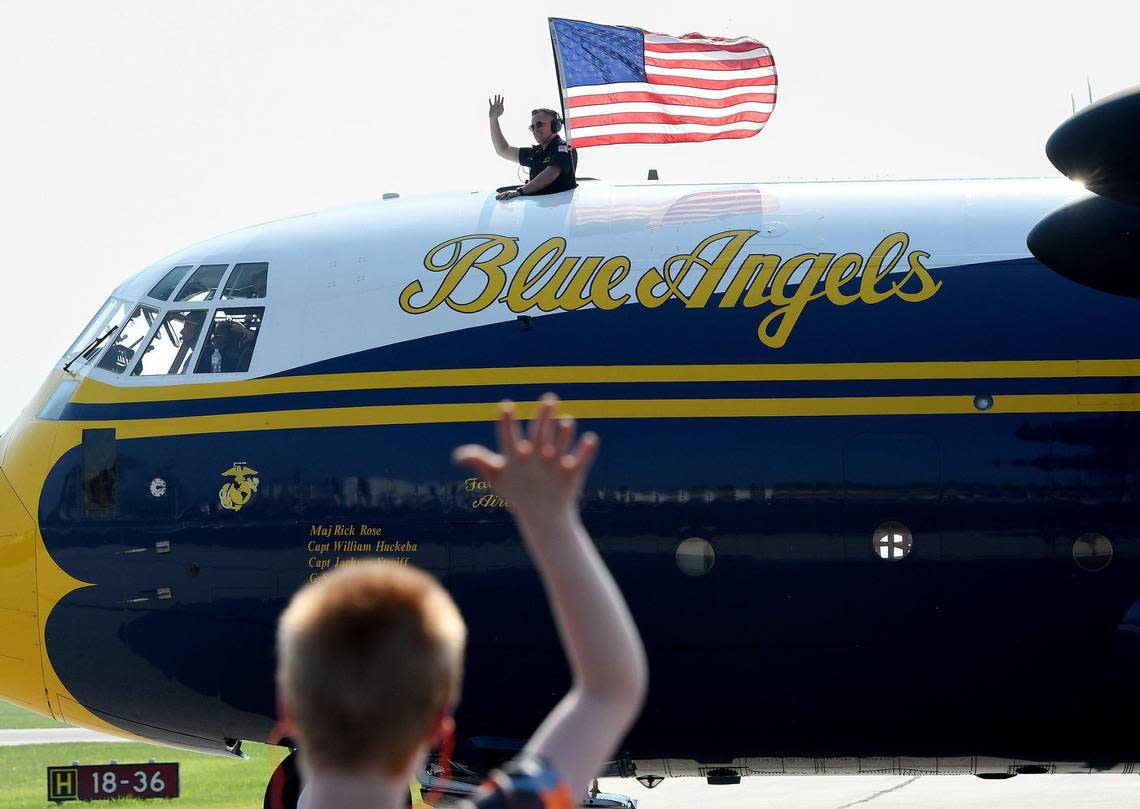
(369,656)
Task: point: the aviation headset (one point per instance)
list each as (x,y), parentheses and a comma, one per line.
(555,122)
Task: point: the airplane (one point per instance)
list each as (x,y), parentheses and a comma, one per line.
(869,473)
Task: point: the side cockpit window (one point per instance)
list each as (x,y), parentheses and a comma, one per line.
(121,352)
(229,346)
(94,338)
(247,281)
(202,284)
(168,283)
(172,347)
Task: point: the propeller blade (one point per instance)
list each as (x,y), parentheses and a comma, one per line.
(1100,147)
(1092,241)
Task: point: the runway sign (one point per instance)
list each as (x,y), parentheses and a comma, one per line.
(104,782)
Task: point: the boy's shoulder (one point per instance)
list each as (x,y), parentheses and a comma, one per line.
(527,782)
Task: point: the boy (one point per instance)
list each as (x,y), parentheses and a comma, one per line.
(370,656)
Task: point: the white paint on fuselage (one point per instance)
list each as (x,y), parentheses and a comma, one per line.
(335,277)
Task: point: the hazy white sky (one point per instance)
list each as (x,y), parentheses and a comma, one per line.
(133,128)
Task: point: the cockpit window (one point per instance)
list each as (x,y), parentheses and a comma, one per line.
(94,337)
(229,347)
(172,346)
(203,283)
(169,281)
(247,281)
(122,351)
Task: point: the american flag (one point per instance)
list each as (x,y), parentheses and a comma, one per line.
(626,85)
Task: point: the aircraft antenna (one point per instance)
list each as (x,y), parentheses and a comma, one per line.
(1073,103)
(1088,84)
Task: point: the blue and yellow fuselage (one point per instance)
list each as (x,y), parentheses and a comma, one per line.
(779,403)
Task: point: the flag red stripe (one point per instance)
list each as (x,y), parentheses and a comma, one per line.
(709,84)
(683,47)
(646,137)
(662,98)
(665,118)
(709,64)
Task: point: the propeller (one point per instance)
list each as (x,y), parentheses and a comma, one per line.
(1099,147)
(1094,241)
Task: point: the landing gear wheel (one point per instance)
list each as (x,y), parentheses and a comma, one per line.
(284,788)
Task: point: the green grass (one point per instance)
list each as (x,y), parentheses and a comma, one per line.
(13,718)
(207,782)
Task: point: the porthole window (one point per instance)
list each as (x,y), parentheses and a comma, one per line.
(892,541)
(1092,552)
(695,556)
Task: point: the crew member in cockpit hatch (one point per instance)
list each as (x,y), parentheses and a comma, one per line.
(551,161)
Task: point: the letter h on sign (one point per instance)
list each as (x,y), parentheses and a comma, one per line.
(63,784)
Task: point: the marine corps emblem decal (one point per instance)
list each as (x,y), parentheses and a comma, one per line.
(239,491)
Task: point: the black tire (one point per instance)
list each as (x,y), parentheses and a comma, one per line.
(288,793)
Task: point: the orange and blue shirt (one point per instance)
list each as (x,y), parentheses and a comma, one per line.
(525,783)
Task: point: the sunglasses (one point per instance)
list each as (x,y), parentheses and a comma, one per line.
(539,125)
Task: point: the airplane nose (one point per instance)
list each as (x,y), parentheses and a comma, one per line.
(21,675)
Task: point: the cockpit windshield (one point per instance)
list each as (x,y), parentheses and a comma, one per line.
(169,282)
(247,281)
(229,347)
(109,317)
(122,351)
(202,284)
(172,346)
(203,330)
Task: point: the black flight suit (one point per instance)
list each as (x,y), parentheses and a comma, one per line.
(555,153)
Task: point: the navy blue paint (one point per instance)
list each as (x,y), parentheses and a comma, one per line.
(797,625)
(993,641)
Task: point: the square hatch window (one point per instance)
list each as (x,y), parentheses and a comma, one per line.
(169,281)
(229,347)
(122,351)
(203,283)
(247,281)
(172,346)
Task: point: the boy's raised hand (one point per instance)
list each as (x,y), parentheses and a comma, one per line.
(540,475)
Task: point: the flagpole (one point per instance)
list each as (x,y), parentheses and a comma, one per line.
(558,74)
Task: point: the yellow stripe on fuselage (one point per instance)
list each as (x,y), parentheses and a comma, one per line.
(94,392)
(625,409)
